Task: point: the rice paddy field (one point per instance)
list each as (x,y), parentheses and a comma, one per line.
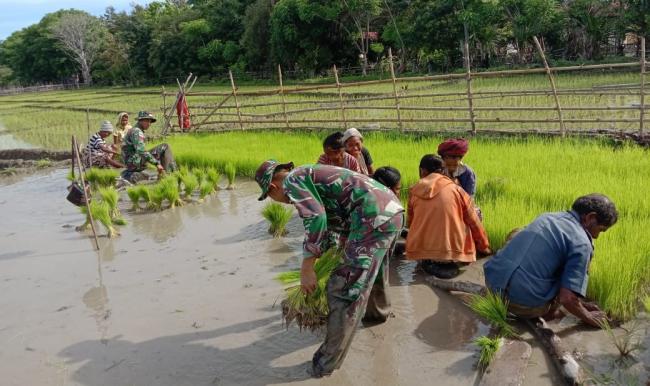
(48,119)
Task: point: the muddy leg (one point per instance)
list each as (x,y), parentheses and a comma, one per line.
(378,308)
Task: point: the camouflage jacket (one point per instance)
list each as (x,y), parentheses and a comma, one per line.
(329,198)
(133,152)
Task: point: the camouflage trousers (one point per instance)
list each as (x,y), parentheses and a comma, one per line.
(356,291)
(163,153)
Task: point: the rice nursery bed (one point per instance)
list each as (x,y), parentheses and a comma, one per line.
(518,179)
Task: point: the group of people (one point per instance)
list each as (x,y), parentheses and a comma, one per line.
(128,148)
(541,267)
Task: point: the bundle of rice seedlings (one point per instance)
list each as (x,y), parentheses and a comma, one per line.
(169,191)
(110,196)
(278,215)
(231,172)
(101,212)
(492,308)
(101,177)
(86,225)
(489,347)
(156,197)
(190,183)
(145,193)
(199,173)
(213,176)
(134,195)
(205,188)
(308,312)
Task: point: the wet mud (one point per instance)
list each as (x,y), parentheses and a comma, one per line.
(186,297)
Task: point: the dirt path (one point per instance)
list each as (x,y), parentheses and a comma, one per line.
(185,296)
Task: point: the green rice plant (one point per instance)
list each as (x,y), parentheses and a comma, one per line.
(213,176)
(145,193)
(43,163)
(100,178)
(101,212)
(308,311)
(10,171)
(489,347)
(646,304)
(278,216)
(231,171)
(199,173)
(493,189)
(205,189)
(628,341)
(134,195)
(111,196)
(492,308)
(86,225)
(156,197)
(190,184)
(169,191)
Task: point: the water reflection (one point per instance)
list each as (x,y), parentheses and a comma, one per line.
(161,226)
(96,299)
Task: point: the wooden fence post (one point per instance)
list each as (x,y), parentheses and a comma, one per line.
(470,103)
(553,88)
(164,108)
(642,88)
(284,101)
(234,94)
(338,86)
(392,75)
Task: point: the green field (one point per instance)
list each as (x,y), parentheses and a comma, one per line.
(46,119)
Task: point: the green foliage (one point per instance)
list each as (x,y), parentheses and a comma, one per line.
(156,197)
(190,184)
(43,163)
(205,188)
(168,189)
(278,216)
(646,303)
(101,178)
(213,176)
(100,211)
(627,340)
(231,171)
(492,308)
(489,347)
(134,195)
(199,173)
(110,196)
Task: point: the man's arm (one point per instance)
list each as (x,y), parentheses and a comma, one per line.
(139,147)
(574,305)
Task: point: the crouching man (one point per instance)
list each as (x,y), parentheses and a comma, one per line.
(368,216)
(136,157)
(545,265)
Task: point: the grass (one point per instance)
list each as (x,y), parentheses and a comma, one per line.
(308,311)
(489,347)
(492,308)
(278,216)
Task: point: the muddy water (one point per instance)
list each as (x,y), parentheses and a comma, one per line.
(185,297)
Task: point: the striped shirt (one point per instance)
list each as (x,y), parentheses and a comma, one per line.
(95,143)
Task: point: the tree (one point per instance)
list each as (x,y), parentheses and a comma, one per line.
(361,13)
(81,35)
(255,39)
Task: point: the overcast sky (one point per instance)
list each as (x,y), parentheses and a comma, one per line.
(18,14)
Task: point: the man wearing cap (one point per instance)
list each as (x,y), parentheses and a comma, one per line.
(136,157)
(452,152)
(368,216)
(97,153)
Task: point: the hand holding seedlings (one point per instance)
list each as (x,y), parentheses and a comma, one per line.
(308,280)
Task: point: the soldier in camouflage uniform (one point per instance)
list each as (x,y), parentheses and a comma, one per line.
(368,216)
(136,157)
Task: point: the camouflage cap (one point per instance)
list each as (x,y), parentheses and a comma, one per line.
(146,115)
(265,172)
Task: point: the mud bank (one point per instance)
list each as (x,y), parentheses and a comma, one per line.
(185,297)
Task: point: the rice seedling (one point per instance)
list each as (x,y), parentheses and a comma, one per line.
(11,171)
(134,195)
(308,311)
(492,308)
(110,196)
(156,197)
(213,176)
(101,212)
(231,171)
(489,347)
(626,342)
(101,177)
(646,303)
(278,216)
(199,173)
(169,191)
(190,184)
(205,189)
(43,163)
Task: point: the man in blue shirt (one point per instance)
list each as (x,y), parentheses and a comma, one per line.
(546,264)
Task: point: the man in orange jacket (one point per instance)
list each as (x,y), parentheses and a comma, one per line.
(444,229)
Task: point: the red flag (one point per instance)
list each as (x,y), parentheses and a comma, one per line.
(183,113)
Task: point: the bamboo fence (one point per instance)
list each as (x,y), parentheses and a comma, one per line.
(392,105)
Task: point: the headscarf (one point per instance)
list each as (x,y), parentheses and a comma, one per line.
(120,131)
(349,133)
(457,146)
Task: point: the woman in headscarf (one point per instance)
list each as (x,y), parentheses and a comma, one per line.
(121,128)
(452,152)
(353,141)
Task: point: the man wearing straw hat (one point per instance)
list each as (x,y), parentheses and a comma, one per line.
(99,154)
(136,157)
(368,215)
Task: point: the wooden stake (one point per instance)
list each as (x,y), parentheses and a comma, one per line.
(75,154)
(181,94)
(338,86)
(470,103)
(234,93)
(642,88)
(208,115)
(553,88)
(392,75)
(284,101)
(164,107)
(90,154)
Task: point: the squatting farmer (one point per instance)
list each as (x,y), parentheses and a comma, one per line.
(97,152)
(334,153)
(368,216)
(136,157)
(545,265)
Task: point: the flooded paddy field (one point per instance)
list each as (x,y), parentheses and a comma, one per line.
(186,297)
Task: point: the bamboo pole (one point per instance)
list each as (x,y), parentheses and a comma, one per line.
(432,120)
(234,93)
(470,104)
(90,154)
(552,81)
(338,86)
(284,99)
(392,76)
(164,106)
(75,147)
(642,88)
(212,112)
(181,91)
